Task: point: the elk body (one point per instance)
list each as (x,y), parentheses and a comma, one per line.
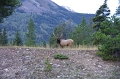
(64,42)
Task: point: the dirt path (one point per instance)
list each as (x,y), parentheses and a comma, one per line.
(29,63)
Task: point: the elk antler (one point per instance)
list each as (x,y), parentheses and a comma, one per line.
(54,34)
(61,35)
(58,36)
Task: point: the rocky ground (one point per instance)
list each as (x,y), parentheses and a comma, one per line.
(29,63)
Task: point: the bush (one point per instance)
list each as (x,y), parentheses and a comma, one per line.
(60,56)
(48,66)
(108,39)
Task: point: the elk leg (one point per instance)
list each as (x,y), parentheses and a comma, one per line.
(61,46)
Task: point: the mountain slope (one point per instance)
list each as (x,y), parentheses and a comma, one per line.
(37,6)
(46,16)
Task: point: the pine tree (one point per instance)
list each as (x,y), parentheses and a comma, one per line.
(7,7)
(0,36)
(118,10)
(4,37)
(82,33)
(31,37)
(107,36)
(44,44)
(109,41)
(52,40)
(101,15)
(17,41)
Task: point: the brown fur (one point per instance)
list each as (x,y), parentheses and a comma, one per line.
(63,42)
(67,42)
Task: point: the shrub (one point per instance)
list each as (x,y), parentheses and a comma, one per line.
(108,40)
(60,56)
(48,66)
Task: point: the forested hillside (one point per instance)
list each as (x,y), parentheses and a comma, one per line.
(46,16)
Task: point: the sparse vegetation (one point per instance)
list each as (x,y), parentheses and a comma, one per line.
(48,66)
(60,56)
(36,63)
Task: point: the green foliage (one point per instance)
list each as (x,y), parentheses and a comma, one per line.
(44,44)
(44,23)
(10,43)
(101,15)
(109,39)
(48,66)
(52,41)
(118,10)
(14,22)
(82,34)
(105,56)
(7,7)
(3,37)
(60,56)
(107,35)
(31,37)
(0,36)
(17,41)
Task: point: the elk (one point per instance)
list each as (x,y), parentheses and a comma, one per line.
(64,42)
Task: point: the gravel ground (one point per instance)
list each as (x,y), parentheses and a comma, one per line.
(29,63)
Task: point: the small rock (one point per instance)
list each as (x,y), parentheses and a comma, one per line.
(99,66)
(20,48)
(51,63)
(84,69)
(58,76)
(18,51)
(6,70)
(27,49)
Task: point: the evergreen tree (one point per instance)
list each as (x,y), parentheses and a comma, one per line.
(82,33)
(90,23)
(44,44)
(7,7)
(101,15)
(117,13)
(0,37)
(4,37)
(109,41)
(52,41)
(17,41)
(118,10)
(107,36)
(11,43)
(31,37)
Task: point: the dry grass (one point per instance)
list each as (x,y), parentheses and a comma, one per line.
(80,47)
